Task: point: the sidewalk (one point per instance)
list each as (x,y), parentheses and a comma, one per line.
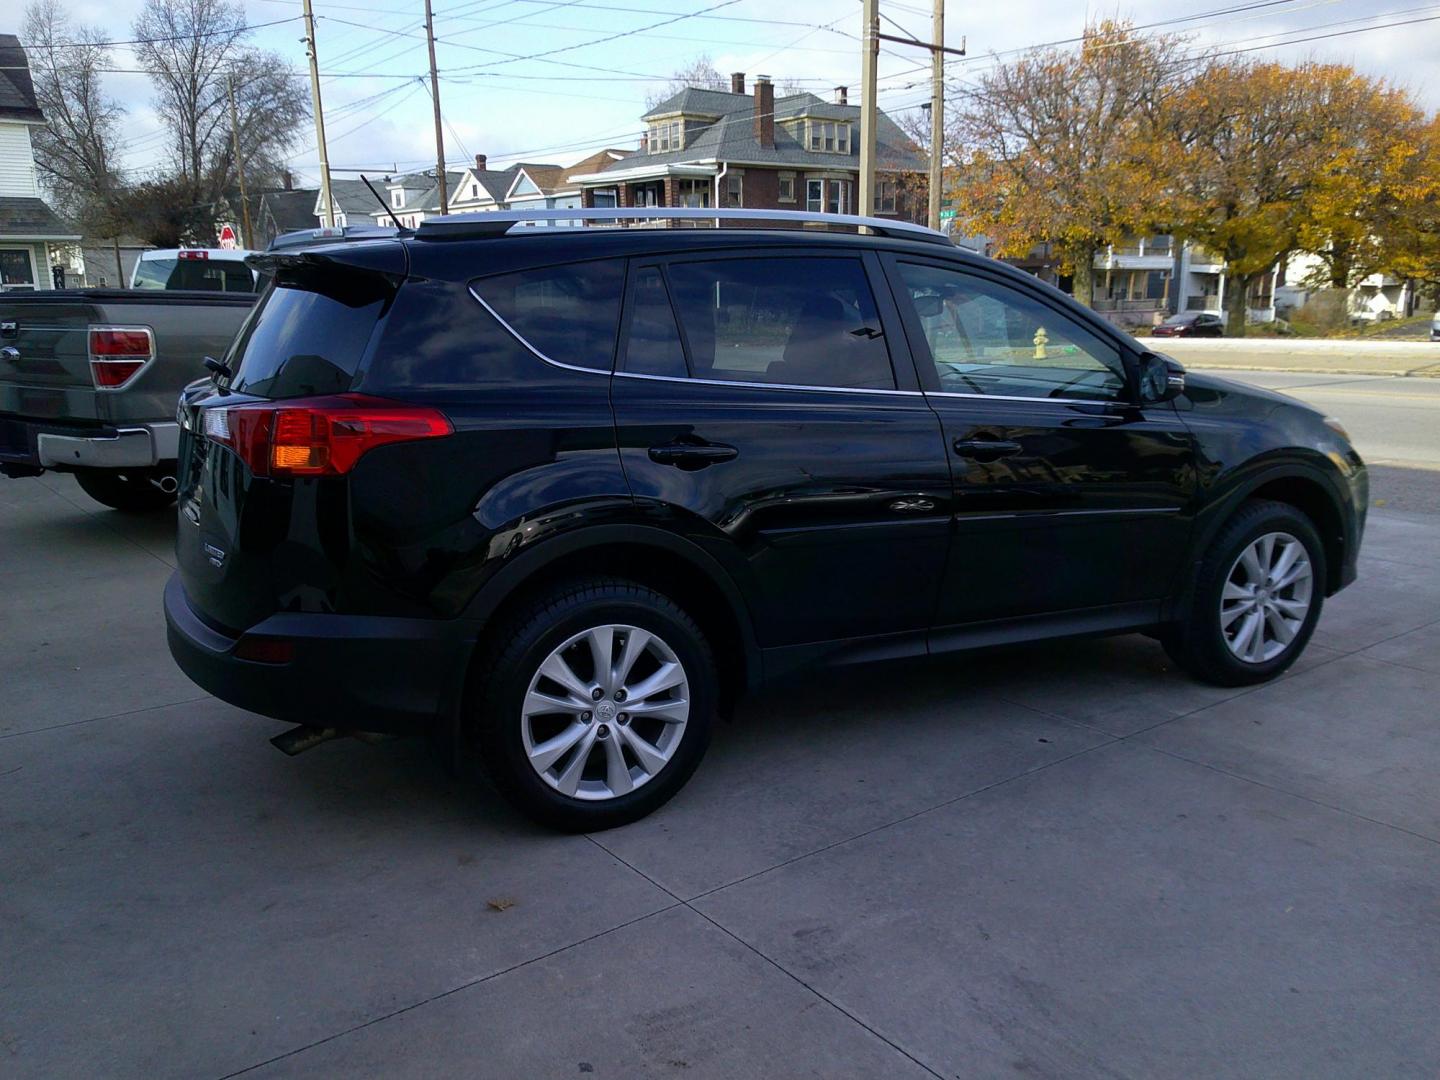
(1328,356)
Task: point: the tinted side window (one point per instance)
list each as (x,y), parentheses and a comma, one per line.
(308,335)
(802,321)
(652,346)
(989,338)
(570,313)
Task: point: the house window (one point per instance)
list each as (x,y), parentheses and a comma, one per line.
(885,197)
(16,269)
(815,195)
(786,187)
(838,200)
(475,191)
(603,198)
(734,189)
(829,137)
(397,198)
(666,136)
(694,193)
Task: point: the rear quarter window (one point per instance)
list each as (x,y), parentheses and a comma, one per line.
(568,313)
(308,335)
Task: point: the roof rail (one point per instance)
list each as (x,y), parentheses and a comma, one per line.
(500,222)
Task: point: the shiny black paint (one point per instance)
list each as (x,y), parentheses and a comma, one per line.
(820,533)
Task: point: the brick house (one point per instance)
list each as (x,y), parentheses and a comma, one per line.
(797,152)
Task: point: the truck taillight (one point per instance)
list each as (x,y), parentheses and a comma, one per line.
(117,353)
(321,436)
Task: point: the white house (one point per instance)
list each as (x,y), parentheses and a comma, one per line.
(1135,282)
(29,229)
(1378,296)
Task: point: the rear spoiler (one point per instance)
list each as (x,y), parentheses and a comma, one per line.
(389,260)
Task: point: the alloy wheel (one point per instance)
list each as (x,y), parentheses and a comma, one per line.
(605,712)
(1266,597)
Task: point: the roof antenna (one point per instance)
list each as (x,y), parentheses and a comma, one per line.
(382,202)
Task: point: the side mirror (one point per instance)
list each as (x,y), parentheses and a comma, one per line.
(1161,378)
(928,305)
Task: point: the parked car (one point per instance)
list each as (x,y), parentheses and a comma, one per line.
(89,377)
(1435,327)
(559,496)
(1191,324)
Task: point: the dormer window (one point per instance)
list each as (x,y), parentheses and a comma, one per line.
(474,191)
(828,137)
(397,198)
(665,136)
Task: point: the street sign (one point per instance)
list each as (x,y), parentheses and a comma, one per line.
(947,215)
(227,237)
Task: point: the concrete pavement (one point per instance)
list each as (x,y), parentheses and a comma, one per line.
(1065,860)
(1334,356)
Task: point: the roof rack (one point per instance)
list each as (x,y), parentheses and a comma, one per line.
(500,222)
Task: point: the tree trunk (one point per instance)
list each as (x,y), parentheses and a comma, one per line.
(1237,298)
(1339,266)
(1084,277)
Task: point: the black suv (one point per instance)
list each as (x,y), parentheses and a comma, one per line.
(557,496)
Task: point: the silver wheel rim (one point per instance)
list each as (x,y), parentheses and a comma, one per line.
(605,712)
(1266,598)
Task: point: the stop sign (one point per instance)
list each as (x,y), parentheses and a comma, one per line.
(227,237)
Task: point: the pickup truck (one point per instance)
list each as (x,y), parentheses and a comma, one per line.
(89,378)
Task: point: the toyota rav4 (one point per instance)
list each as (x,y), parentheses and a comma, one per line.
(557,496)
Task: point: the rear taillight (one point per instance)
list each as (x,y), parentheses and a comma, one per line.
(322,436)
(117,353)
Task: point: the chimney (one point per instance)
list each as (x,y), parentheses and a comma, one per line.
(737,82)
(479,162)
(764,111)
(842,95)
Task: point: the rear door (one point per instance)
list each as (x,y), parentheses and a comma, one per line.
(1068,495)
(45,363)
(766,405)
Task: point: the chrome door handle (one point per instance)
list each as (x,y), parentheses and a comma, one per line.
(986,449)
(912,506)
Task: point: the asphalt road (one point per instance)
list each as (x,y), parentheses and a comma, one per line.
(1394,421)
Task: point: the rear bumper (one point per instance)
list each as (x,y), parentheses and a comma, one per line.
(33,444)
(356,673)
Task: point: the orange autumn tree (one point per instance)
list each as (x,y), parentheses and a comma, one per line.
(1049,147)
(1261,159)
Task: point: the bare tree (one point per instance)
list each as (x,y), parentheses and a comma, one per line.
(76,152)
(699,73)
(190,48)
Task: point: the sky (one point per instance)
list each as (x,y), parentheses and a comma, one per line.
(605,56)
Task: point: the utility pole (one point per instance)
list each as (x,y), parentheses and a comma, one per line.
(435,100)
(937,112)
(869,63)
(247,240)
(869,76)
(326,203)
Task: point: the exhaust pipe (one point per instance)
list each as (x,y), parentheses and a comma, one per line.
(299,739)
(305,737)
(168,484)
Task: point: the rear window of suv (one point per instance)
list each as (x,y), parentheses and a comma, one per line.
(308,335)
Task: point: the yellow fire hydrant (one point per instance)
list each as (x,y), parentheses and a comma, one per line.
(1041,340)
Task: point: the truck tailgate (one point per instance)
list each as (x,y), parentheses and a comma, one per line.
(45,365)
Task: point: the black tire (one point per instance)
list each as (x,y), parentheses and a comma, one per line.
(493,725)
(131,492)
(1198,643)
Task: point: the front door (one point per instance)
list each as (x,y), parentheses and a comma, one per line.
(1068,496)
(759,411)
